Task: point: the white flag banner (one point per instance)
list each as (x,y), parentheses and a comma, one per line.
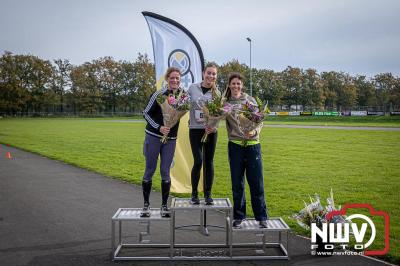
(175,46)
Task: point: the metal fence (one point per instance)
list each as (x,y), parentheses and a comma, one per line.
(373,110)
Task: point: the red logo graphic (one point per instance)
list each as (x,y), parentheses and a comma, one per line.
(373,212)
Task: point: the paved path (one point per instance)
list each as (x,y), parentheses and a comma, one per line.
(337,127)
(52,213)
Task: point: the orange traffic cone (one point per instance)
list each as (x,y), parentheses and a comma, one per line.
(8,155)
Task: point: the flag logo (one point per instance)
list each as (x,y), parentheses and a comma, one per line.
(180,59)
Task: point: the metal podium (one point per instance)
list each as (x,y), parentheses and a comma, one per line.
(182,204)
(232,247)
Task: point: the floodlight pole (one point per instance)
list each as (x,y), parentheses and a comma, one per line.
(251,78)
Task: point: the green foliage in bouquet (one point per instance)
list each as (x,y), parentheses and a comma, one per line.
(262,106)
(215,107)
(255,112)
(161,98)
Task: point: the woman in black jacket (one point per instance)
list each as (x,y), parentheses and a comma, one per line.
(153,147)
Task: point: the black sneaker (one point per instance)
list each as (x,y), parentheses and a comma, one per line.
(237,223)
(195,200)
(263,224)
(208,200)
(164,211)
(145,211)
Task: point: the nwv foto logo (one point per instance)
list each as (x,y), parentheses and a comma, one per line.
(340,232)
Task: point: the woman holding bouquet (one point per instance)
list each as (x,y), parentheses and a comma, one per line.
(200,93)
(153,147)
(244,153)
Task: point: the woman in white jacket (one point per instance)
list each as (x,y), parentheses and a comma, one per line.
(202,92)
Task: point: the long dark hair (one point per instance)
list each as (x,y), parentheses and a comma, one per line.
(231,76)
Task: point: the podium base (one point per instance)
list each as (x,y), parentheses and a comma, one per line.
(238,243)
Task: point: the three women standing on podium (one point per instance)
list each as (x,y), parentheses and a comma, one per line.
(244,150)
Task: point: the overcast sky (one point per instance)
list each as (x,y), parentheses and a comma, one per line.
(355,36)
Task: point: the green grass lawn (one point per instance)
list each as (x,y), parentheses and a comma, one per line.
(360,166)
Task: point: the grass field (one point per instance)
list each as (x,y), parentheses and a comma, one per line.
(360,166)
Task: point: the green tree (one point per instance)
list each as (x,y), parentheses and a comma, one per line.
(38,75)
(365,91)
(347,95)
(127,80)
(330,86)
(311,95)
(293,85)
(61,81)
(13,96)
(26,81)
(108,75)
(387,90)
(85,89)
(144,82)
(270,87)
(394,97)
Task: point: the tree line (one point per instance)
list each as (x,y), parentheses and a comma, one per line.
(296,88)
(29,84)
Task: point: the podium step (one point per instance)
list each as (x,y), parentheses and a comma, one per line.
(134,214)
(251,225)
(184,204)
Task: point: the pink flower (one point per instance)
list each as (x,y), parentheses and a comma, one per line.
(257,117)
(227,108)
(171,100)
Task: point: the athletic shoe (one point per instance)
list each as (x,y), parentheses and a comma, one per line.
(209,200)
(263,224)
(237,223)
(145,211)
(164,211)
(195,200)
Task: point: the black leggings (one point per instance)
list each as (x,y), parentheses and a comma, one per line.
(195,136)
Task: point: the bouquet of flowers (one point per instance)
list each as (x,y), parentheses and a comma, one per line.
(173,107)
(314,212)
(214,111)
(251,115)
